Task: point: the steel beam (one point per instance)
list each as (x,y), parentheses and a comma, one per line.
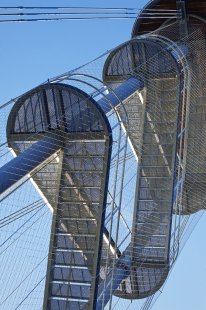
(181,7)
(121,93)
(26,162)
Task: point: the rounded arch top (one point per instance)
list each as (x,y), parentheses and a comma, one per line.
(143,56)
(144,25)
(55,106)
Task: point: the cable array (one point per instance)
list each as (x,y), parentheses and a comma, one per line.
(44,13)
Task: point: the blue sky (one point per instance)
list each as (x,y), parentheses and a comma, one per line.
(30,53)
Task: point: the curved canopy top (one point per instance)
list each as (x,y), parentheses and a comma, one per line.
(142,26)
(51,107)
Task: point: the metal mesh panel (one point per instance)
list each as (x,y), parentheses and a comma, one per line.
(155,121)
(73,183)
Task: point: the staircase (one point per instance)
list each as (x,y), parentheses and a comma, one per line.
(151,231)
(74,182)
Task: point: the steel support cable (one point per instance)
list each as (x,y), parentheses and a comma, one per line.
(116,303)
(81,19)
(147,303)
(86,13)
(176,238)
(18,216)
(30,292)
(186,233)
(4,154)
(16,239)
(19,212)
(24,280)
(62,77)
(118,218)
(108,218)
(196,219)
(3,144)
(20,235)
(3,147)
(8,103)
(82,8)
(16,231)
(129,156)
(56,79)
(20,227)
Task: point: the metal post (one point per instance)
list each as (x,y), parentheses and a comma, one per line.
(182,16)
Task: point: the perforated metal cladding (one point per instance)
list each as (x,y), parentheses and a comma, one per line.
(194,187)
(76,227)
(148,60)
(74,182)
(152,127)
(51,106)
(193,195)
(132,58)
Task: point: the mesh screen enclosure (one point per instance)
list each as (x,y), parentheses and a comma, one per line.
(102,175)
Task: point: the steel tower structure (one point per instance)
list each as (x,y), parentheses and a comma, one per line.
(72,135)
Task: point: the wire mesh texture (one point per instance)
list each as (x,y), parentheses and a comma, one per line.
(80,195)
(155,189)
(83,170)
